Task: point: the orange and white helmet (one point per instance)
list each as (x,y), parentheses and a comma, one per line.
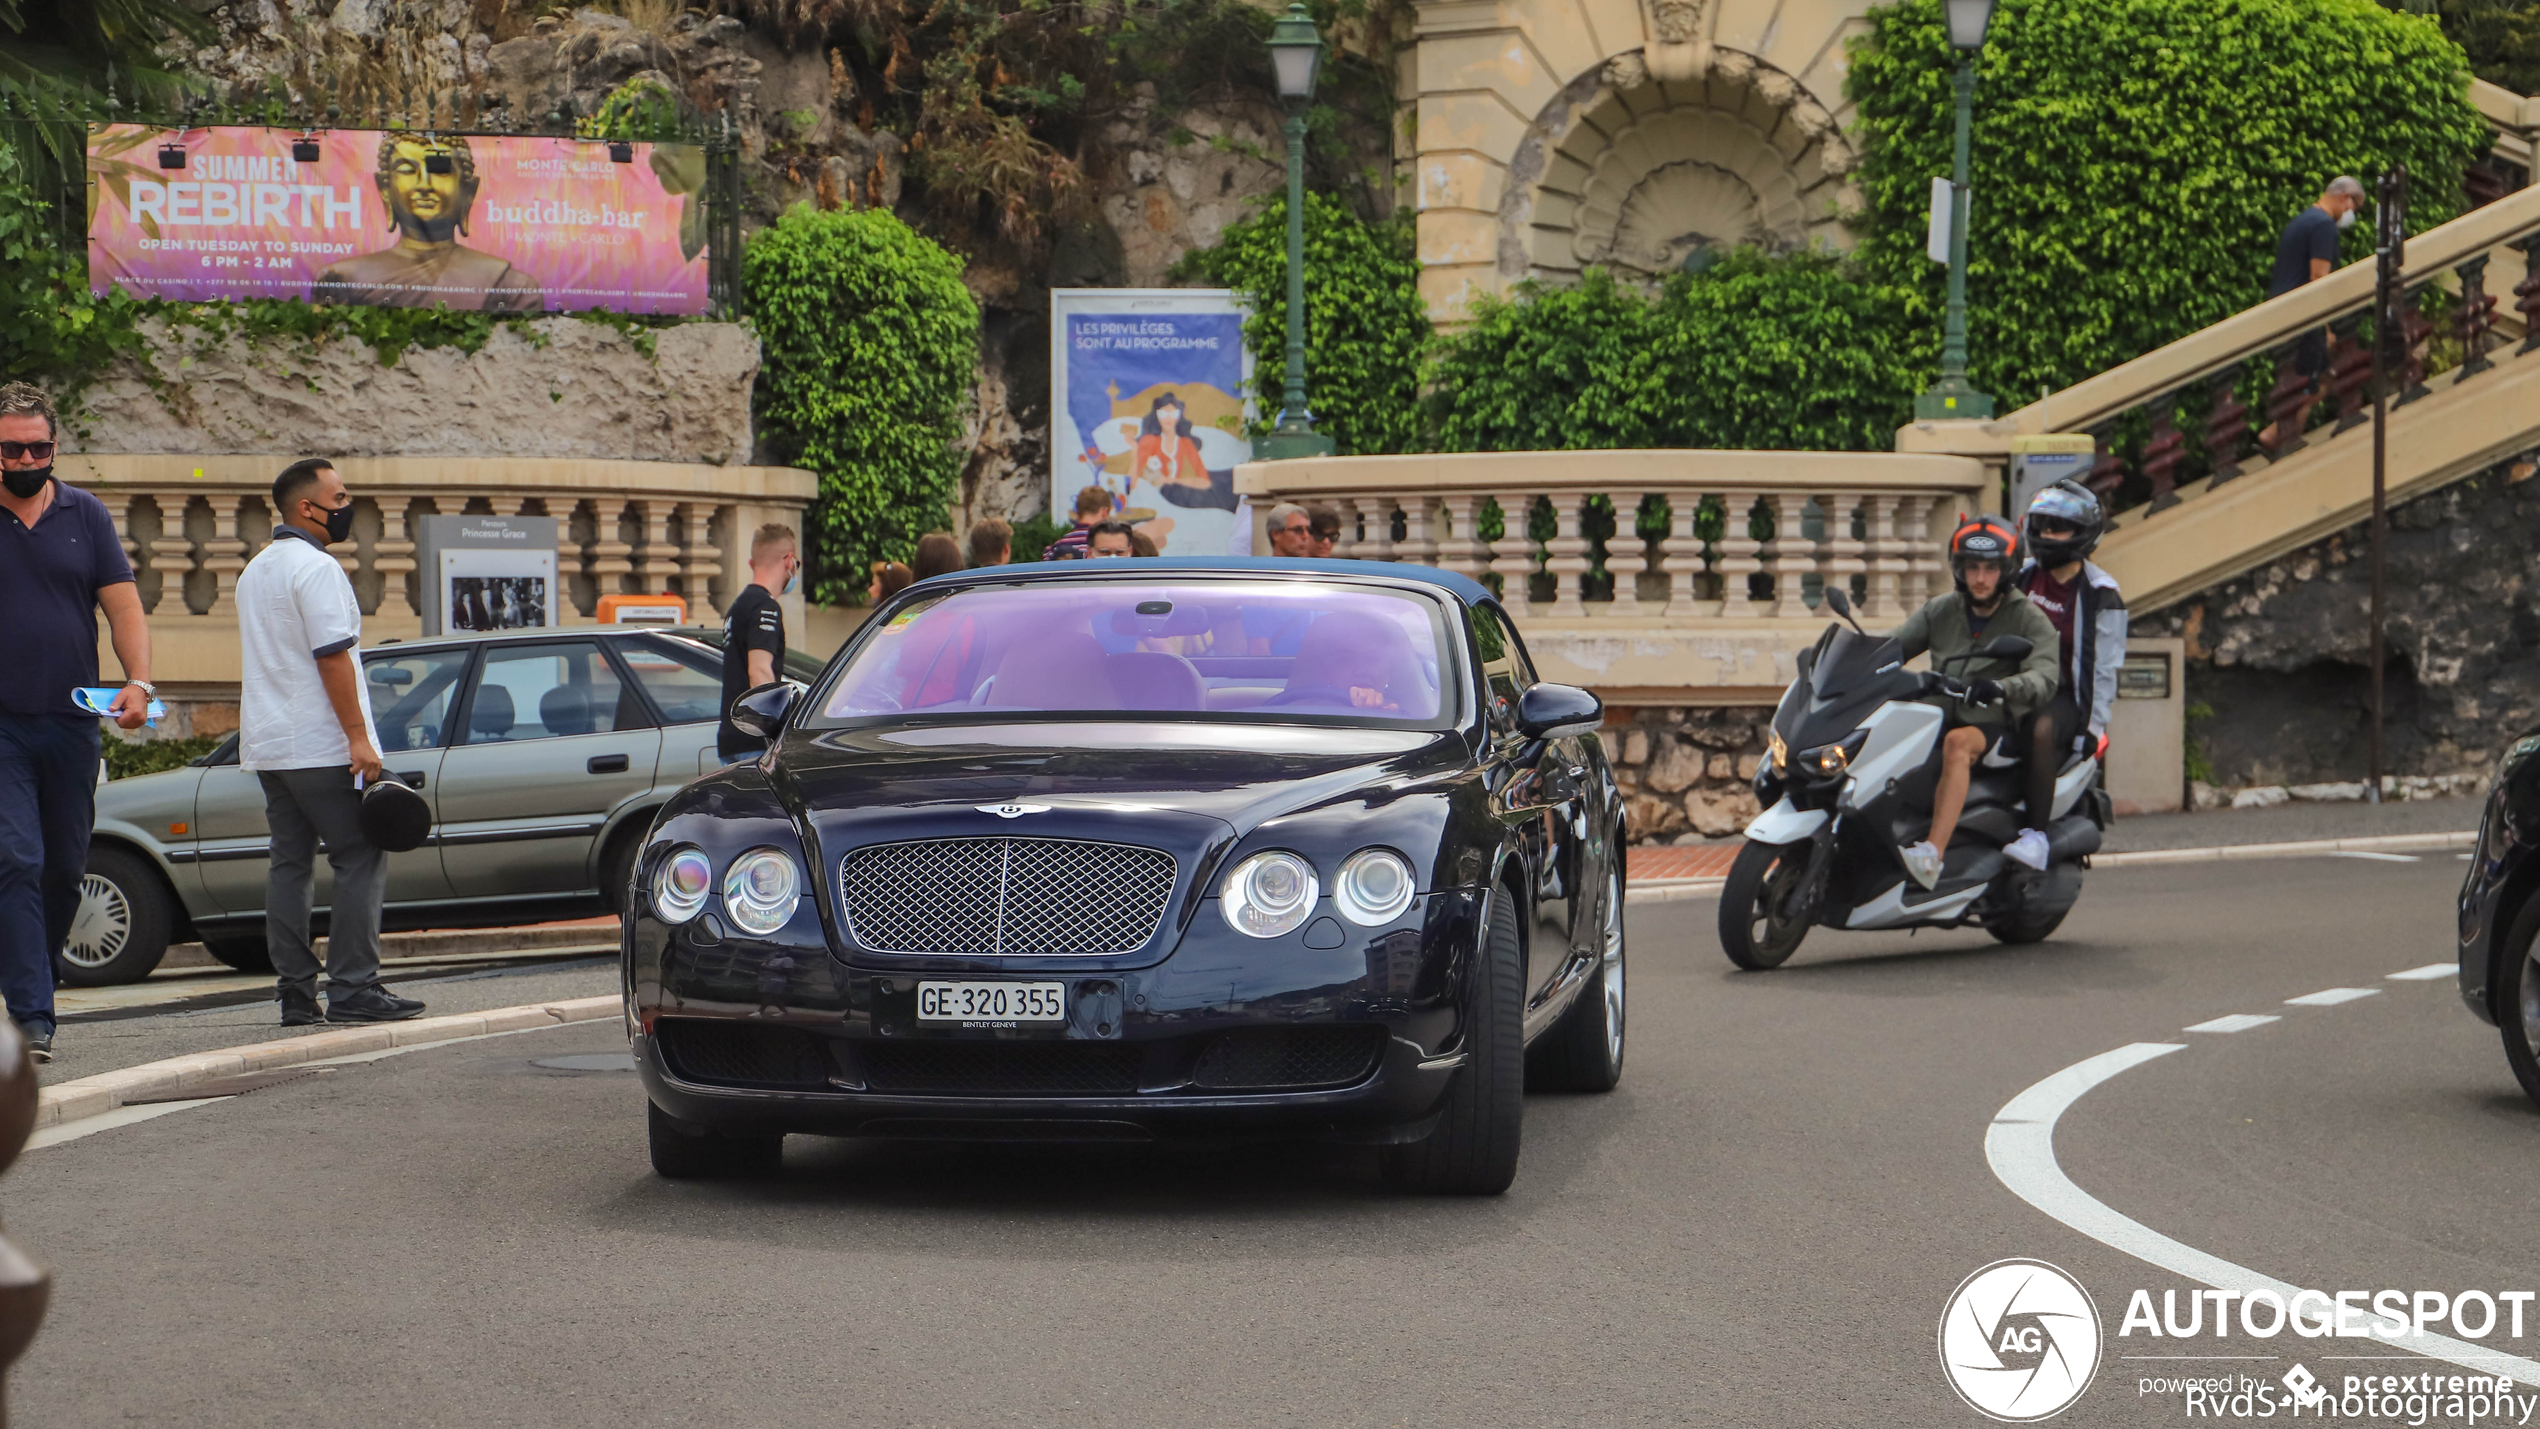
(1983,537)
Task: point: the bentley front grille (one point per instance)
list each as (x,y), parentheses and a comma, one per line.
(1019,897)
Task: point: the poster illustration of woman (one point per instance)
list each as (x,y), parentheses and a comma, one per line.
(1168,457)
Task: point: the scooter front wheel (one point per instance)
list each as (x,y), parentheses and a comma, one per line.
(1761,920)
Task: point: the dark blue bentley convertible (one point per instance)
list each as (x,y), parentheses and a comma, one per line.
(1127,849)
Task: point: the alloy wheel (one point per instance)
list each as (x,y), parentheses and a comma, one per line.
(102,925)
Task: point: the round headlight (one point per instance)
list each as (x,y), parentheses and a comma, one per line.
(760,892)
(681,884)
(1374,887)
(1269,894)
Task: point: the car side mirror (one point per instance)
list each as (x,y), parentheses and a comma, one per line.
(2006,647)
(761,712)
(1549,711)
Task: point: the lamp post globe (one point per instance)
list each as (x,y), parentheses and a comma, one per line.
(1953,396)
(1296,60)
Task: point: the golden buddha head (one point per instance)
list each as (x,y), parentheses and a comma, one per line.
(422,205)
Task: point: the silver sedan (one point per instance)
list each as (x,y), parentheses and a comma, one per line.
(544,754)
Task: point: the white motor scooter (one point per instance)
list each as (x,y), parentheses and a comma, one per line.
(1855,759)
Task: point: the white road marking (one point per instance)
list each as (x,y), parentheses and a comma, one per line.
(108,1121)
(2020,1146)
(2428,973)
(2236,1022)
(2376,857)
(2330,997)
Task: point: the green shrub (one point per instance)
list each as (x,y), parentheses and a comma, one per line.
(2134,161)
(870,347)
(126,758)
(1756,352)
(1365,321)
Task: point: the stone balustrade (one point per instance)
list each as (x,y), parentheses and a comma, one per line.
(190,524)
(1674,577)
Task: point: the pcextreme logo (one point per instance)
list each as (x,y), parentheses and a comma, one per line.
(2019,1341)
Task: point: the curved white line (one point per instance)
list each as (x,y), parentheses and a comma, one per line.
(2021,1147)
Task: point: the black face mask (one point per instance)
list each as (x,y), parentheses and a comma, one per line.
(339,524)
(23,484)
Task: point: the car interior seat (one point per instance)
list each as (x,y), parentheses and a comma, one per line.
(490,717)
(1064,672)
(1153,680)
(566,709)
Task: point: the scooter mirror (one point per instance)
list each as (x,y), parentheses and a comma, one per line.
(2007,647)
(1838,602)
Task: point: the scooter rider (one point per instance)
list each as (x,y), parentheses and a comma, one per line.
(1985,605)
(2088,611)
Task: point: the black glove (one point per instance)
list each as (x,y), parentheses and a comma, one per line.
(1982,693)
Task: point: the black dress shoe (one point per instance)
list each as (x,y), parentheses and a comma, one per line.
(39,1044)
(371,1004)
(299,1008)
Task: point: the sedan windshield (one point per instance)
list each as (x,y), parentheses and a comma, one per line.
(1241,650)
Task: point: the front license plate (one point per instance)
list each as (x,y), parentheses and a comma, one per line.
(991,1004)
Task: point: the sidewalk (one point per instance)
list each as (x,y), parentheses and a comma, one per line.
(2223,828)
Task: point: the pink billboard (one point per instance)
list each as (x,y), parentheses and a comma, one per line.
(504,224)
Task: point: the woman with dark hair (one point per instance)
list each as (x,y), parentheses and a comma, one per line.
(889,579)
(1168,458)
(938,554)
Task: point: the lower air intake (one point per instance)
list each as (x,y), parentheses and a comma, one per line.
(717,1053)
(1002,1069)
(1288,1058)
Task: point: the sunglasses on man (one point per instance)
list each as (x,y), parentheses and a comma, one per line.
(20,451)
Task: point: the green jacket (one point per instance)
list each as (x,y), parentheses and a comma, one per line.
(1940,628)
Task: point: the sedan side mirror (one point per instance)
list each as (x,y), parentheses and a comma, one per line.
(761,712)
(2006,647)
(1549,711)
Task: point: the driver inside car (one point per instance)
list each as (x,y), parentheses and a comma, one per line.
(1985,605)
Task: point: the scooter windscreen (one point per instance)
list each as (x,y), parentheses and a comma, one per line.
(1841,680)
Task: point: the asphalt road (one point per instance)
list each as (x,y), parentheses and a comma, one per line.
(1760,1228)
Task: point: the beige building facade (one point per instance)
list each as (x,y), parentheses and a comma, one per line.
(1549,135)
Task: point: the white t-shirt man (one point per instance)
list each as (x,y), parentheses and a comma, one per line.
(295,606)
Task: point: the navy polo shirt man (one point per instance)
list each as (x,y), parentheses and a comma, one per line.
(60,560)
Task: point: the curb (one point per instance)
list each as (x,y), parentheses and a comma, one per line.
(102,1093)
(1676,890)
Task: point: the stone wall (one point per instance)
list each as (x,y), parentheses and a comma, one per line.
(1687,773)
(2278,681)
(567,388)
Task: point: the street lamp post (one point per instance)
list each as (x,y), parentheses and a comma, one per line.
(1953,395)
(1296,58)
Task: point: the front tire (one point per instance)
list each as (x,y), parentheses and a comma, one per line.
(2517,999)
(246,952)
(1584,1051)
(1760,926)
(120,931)
(1473,1149)
(680,1154)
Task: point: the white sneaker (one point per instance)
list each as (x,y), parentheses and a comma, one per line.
(1922,861)
(2029,848)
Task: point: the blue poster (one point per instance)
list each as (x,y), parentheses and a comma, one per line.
(1150,407)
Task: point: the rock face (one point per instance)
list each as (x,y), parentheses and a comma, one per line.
(1687,771)
(2280,656)
(575,389)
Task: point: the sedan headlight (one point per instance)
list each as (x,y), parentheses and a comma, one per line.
(1269,894)
(761,890)
(1374,887)
(681,884)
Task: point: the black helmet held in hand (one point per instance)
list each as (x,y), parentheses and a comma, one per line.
(2067,503)
(394,817)
(1984,537)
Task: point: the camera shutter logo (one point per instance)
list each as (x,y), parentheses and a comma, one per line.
(2019,1341)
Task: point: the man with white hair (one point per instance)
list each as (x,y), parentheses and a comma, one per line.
(1290,530)
(2304,254)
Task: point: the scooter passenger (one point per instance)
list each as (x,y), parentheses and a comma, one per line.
(2088,611)
(1984,725)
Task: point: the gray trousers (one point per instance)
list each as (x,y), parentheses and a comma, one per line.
(303,806)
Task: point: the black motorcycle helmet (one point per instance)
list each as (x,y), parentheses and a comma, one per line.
(2071,503)
(1985,537)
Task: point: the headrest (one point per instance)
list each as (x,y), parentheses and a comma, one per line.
(492,712)
(565,710)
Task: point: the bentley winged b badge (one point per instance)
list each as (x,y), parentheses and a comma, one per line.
(1013,811)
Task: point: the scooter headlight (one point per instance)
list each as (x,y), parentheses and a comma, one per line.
(1831,761)
(1269,894)
(761,890)
(1780,751)
(681,885)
